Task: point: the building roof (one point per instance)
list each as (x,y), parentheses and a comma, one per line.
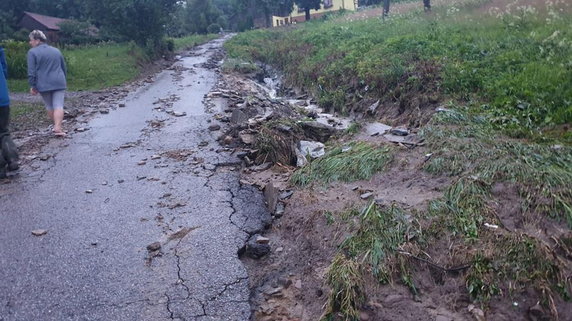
(49,22)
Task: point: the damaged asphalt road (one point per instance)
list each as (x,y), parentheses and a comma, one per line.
(142,221)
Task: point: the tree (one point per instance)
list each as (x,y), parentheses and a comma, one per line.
(274,7)
(200,15)
(142,21)
(307,5)
(10,13)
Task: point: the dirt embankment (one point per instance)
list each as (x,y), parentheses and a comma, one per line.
(515,266)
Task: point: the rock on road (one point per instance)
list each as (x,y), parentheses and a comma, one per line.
(108,193)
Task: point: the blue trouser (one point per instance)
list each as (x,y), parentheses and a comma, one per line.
(8,152)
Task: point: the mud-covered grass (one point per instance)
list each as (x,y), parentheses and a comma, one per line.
(467,146)
(352,162)
(347,295)
(498,253)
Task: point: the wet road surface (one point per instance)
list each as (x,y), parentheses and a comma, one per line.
(104,195)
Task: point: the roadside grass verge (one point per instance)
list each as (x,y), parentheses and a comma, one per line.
(352,162)
(98,67)
(514,65)
(95,67)
(505,141)
(185,43)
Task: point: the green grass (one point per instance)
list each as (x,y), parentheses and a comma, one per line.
(381,232)
(98,67)
(185,43)
(345,280)
(516,67)
(356,161)
(95,67)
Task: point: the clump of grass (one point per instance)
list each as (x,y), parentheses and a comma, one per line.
(524,261)
(463,208)
(382,231)
(189,42)
(353,128)
(275,147)
(240,66)
(356,161)
(346,283)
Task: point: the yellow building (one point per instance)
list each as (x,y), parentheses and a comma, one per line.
(298,14)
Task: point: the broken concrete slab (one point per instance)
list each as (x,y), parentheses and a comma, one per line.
(318,131)
(314,149)
(256,250)
(374,129)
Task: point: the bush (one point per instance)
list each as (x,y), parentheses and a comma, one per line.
(214,28)
(78,33)
(16,58)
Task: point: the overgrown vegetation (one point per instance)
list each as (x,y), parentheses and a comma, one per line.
(89,67)
(351,162)
(513,65)
(92,67)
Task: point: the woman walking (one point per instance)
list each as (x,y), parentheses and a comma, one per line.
(47,76)
(8,153)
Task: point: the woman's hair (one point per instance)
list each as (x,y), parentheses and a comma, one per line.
(38,35)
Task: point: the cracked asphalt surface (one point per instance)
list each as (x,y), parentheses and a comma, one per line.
(103,197)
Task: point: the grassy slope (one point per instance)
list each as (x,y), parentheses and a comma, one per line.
(518,65)
(499,75)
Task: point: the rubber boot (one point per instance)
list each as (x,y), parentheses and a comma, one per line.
(3,166)
(10,153)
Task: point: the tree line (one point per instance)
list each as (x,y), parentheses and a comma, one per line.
(146,22)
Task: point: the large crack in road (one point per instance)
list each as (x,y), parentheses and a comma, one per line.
(103,199)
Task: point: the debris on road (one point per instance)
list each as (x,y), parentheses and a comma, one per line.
(155,246)
(39,232)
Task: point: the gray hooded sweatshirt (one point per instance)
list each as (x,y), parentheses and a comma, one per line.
(46,68)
